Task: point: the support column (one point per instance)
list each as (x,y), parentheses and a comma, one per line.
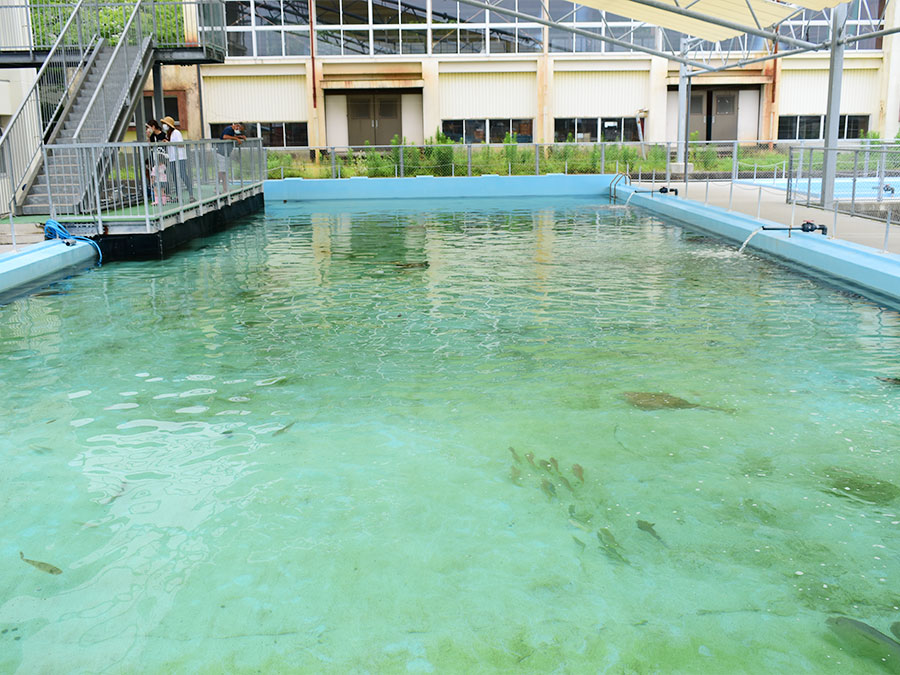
(683,117)
(140,119)
(833,109)
(158,107)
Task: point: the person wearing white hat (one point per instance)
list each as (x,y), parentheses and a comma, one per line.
(178,157)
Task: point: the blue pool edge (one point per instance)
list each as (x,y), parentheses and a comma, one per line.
(30,265)
(861,269)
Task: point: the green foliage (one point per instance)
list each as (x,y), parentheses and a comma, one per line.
(166,22)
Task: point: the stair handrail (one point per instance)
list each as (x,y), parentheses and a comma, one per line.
(21,140)
(100,91)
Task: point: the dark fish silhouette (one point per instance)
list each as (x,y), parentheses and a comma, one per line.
(648,528)
(515,475)
(530,457)
(555,464)
(890,380)
(867,639)
(562,479)
(42,566)
(515,455)
(610,546)
(284,428)
(648,400)
(545,465)
(548,488)
(578,471)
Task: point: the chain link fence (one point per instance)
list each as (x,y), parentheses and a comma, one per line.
(866,182)
(447,159)
(711,160)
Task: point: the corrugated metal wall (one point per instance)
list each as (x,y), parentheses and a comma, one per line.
(600,93)
(265,98)
(805,92)
(484,95)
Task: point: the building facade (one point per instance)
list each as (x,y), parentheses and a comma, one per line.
(365,71)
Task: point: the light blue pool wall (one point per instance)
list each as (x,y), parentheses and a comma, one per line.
(428,187)
(863,269)
(27,266)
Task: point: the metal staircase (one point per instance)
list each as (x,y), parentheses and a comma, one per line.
(85,93)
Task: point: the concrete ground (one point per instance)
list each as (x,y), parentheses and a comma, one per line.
(770,204)
(26,233)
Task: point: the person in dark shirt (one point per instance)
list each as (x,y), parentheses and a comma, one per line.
(154,132)
(235,134)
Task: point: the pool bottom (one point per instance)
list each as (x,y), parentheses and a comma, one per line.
(290,450)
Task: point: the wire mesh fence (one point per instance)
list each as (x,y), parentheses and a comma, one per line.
(642,161)
(866,180)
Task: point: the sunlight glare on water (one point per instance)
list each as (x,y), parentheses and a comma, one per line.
(288,448)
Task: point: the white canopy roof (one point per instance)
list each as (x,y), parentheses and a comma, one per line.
(751,13)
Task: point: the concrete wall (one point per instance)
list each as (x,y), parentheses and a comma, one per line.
(544,87)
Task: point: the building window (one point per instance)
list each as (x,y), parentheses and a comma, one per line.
(273,134)
(170,108)
(806,127)
(453,130)
(473,131)
(591,130)
(564,130)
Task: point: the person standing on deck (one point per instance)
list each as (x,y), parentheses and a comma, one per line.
(233,132)
(178,157)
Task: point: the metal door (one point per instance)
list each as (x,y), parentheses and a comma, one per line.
(698,115)
(387,118)
(724,115)
(360,120)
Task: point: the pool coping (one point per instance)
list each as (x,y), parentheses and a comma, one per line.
(32,265)
(861,269)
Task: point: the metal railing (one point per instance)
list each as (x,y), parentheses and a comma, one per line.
(658,162)
(105,105)
(43,106)
(107,183)
(34,27)
(866,182)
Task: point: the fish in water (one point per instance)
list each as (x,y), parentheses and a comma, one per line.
(545,465)
(548,488)
(648,528)
(562,479)
(285,428)
(866,638)
(42,566)
(890,380)
(610,546)
(515,475)
(530,457)
(555,464)
(648,400)
(578,542)
(515,455)
(578,471)
(411,265)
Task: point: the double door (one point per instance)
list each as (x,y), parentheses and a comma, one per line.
(714,114)
(374,118)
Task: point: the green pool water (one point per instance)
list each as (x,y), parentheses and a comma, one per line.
(287,449)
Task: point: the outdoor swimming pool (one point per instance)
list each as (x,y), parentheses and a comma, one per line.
(288,449)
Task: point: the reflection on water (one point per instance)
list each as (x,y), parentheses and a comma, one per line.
(529,436)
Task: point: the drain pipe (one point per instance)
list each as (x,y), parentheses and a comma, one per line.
(663,191)
(805,226)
